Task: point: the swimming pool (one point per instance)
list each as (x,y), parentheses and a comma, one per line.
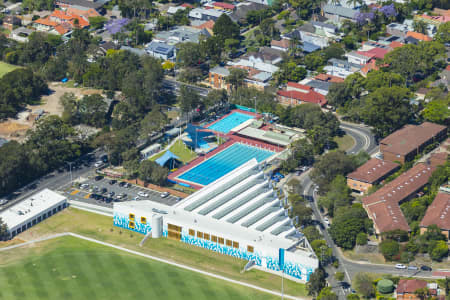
(230,121)
(223,163)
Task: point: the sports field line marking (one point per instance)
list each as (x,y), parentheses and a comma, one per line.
(58,235)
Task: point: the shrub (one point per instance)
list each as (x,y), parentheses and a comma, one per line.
(389,249)
(361,238)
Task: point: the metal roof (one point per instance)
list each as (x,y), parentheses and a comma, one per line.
(340,11)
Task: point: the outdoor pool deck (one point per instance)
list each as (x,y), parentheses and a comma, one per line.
(235,118)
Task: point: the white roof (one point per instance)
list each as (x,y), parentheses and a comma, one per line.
(196,12)
(30,208)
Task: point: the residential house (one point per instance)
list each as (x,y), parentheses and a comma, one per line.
(311,34)
(444,78)
(418,36)
(329,78)
(406,289)
(217,78)
(432,20)
(266,55)
(397,29)
(181,34)
(255,63)
(207,25)
(20,34)
(205,14)
(258,79)
(85,4)
(137,51)
(104,47)
(357,57)
(281,45)
(174,9)
(382,206)
(296,94)
(223,6)
(328,29)
(10,21)
(341,68)
(404,144)
(60,22)
(264,2)
(318,86)
(239,15)
(337,13)
(438,213)
(161,50)
(371,173)
(82,11)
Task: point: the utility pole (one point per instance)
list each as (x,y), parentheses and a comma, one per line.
(70,169)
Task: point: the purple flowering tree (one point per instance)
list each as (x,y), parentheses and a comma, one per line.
(363,17)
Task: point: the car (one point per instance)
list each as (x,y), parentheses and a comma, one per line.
(413,268)
(298,173)
(426,268)
(95,189)
(178,198)
(108,199)
(122,183)
(119,196)
(84,186)
(97,178)
(103,191)
(165,195)
(3,201)
(279,175)
(112,181)
(98,164)
(111,194)
(400,266)
(142,194)
(136,198)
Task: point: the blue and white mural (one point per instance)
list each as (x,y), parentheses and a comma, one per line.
(293,269)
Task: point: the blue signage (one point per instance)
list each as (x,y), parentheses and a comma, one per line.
(281,258)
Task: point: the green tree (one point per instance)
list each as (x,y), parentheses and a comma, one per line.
(316,282)
(390,249)
(188,99)
(327,294)
(70,104)
(190,55)
(347,224)
(3,230)
(437,111)
(236,77)
(323,252)
(443,33)
(339,195)
(311,233)
(352,297)
(378,79)
(93,110)
(420,26)
(339,276)
(225,28)
(268,28)
(338,94)
(439,250)
(422,293)
(97,22)
(363,284)
(387,109)
(153,121)
(361,238)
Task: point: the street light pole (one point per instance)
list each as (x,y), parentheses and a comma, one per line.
(70,170)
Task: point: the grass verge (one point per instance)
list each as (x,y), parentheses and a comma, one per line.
(100,227)
(344,142)
(180,150)
(6,68)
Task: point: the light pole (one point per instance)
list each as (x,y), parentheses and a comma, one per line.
(70,169)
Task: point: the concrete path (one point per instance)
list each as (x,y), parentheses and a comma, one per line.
(275,293)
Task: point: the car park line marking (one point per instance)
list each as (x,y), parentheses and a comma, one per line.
(74,192)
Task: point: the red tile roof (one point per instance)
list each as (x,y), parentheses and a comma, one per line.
(299,86)
(373,170)
(410,137)
(310,97)
(419,36)
(207,25)
(447,68)
(438,212)
(187,5)
(283,43)
(85,13)
(395,44)
(378,52)
(410,285)
(46,22)
(329,78)
(224,5)
(383,205)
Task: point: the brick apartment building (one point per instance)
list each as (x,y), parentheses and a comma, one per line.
(217,77)
(383,205)
(438,213)
(371,173)
(404,144)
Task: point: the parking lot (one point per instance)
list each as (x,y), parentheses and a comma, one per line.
(95,187)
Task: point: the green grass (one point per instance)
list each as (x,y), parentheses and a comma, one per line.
(101,228)
(180,150)
(6,68)
(69,268)
(345,142)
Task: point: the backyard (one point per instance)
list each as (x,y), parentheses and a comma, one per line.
(100,227)
(6,68)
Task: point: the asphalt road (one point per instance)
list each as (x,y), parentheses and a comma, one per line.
(175,85)
(363,137)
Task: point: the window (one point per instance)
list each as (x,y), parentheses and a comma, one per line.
(191,232)
(131,224)
(235,244)
(131,217)
(174,227)
(214,238)
(229,243)
(143,220)
(206,236)
(199,234)
(221,241)
(250,249)
(174,235)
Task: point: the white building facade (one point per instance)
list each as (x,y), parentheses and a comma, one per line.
(238,215)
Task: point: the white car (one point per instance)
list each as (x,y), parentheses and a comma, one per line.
(400,266)
(142,194)
(98,164)
(136,198)
(165,194)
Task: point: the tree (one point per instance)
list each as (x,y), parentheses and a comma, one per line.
(439,250)
(390,249)
(363,284)
(437,111)
(311,233)
(348,222)
(3,230)
(443,33)
(378,79)
(295,186)
(316,282)
(70,104)
(352,297)
(420,26)
(338,94)
(97,22)
(268,28)
(422,293)
(225,28)
(387,109)
(215,97)
(329,166)
(327,294)
(323,252)
(153,121)
(190,55)
(339,195)
(339,276)
(38,5)
(188,99)
(303,212)
(236,77)
(151,172)
(92,109)
(361,238)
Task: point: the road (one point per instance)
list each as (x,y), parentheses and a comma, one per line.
(363,137)
(173,84)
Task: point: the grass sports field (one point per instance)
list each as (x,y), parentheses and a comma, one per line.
(100,227)
(69,268)
(6,68)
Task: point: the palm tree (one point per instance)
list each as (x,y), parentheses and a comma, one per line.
(355,3)
(420,26)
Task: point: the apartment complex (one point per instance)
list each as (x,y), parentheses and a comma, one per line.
(438,213)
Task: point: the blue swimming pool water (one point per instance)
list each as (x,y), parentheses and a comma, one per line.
(224,162)
(229,122)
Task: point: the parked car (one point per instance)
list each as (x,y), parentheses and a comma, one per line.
(3,201)
(98,164)
(112,181)
(426,268)
(111,194)
(142,194)
(103,191)
(298,173)
(84,186)
(136,198)
(127,185)
(400,266)
(122,183)
(97,178)
(165,195)
(413,268)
